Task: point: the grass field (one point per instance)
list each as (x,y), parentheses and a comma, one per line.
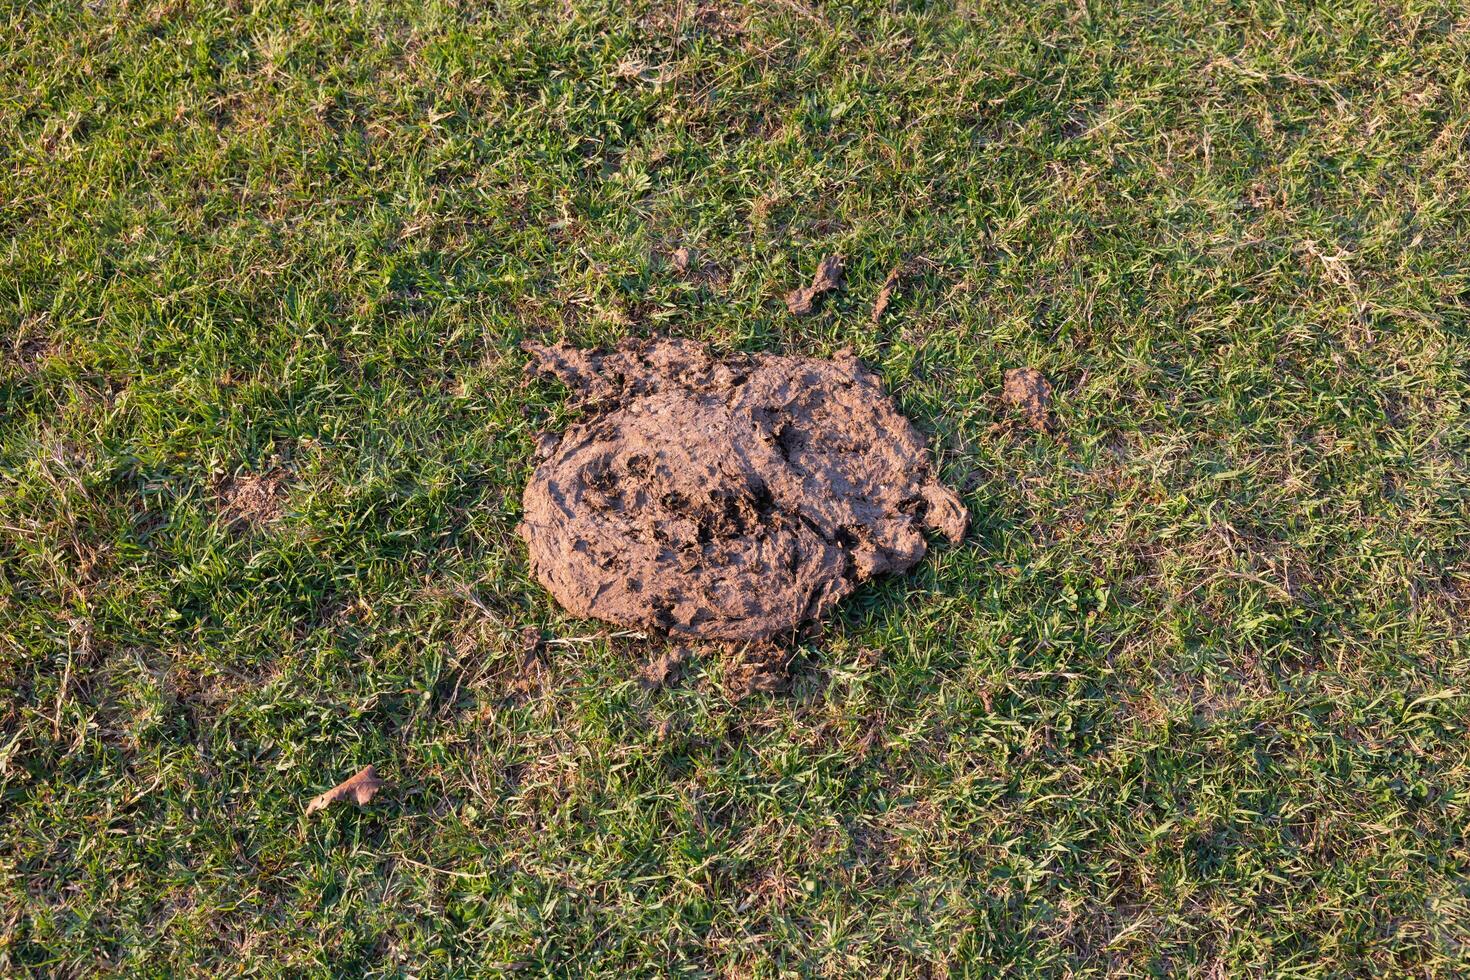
(1192,698)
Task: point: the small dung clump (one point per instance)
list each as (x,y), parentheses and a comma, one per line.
(828,277)
(729,499)
(1028,390)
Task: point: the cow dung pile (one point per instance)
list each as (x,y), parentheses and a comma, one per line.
(728,498)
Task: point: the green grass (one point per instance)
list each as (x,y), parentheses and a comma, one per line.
(1192,699)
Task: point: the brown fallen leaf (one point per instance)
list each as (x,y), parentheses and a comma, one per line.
(1028,390)
(360,789)
(636,70)
(829,276)
(885,294)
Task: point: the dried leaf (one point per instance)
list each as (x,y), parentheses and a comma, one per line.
(885,294)
(360,789)
(829,276)
(1028,390)
(637,70)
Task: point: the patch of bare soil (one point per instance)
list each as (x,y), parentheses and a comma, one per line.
(28,347)
(254,499)
(729,499)
(1028,390)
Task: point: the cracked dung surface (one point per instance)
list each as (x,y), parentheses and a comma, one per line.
(729,498)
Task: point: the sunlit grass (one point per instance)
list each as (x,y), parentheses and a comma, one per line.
(1192,699)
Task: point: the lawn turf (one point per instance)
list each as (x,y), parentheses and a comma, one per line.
(1192,698)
